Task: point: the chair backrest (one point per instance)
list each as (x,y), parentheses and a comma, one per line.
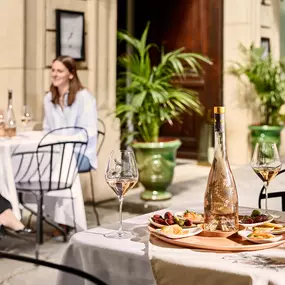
(56,159)
(60,267)
(276,194)
(100,135)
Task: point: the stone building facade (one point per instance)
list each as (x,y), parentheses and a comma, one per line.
(28,45)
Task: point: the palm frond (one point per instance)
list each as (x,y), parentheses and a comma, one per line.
(268,78)
(153,99)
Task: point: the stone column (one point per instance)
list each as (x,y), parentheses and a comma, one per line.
(102,82)
(12,49)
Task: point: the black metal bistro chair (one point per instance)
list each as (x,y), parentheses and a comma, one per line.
(100,140)
(52,166)
(71,270)
(278,194)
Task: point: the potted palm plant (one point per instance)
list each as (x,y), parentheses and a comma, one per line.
(268,78)
(151,101)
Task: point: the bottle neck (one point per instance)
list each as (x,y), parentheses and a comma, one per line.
(10,100)
(220,143)
(220,138)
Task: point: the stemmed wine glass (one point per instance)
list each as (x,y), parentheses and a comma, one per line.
(26,116)
(121,175)
(266,164)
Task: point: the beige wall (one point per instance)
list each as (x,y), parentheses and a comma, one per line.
(244,22)
(28,38)
(11,52)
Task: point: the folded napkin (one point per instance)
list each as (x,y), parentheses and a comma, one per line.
(173,265)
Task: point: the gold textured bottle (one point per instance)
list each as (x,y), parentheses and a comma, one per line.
(221,199)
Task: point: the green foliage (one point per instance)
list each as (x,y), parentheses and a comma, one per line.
(268,78)
(152,99)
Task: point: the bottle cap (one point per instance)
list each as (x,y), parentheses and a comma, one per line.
(219,110)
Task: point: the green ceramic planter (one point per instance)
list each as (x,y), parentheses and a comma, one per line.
(156,162)
(265,134)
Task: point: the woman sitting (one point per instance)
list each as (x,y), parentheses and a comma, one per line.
(69,104)
(8,219)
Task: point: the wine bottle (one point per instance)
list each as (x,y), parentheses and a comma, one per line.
(221,199)
(2,124)
(10,121)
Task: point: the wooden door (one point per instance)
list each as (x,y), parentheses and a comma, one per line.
(196,25)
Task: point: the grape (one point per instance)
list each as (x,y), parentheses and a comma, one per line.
(176,220)
(248,220)
(168,215)
(169,221)
(263,217)
(160,221)
(187,223)
(255,213)
(260,218)
(156,217)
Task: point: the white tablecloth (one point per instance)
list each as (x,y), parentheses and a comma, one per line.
(58,205)
(127,262)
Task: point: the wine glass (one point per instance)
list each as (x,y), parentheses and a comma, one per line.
(121,175)
(266,164)
(26,116)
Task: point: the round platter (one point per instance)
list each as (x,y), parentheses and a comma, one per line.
(231,243)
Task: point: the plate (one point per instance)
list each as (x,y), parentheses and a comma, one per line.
(180,216)
(187,233)
(161,226)
(245,234)
(278,231)
(271,229)
(258,224)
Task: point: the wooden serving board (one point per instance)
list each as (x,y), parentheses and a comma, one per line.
(232,243)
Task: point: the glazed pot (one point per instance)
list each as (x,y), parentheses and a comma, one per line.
(265,133)
(156,162)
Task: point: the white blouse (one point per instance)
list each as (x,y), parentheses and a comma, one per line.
(82,113)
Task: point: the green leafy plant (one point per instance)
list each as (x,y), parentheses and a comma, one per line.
(268,78)
(152,99)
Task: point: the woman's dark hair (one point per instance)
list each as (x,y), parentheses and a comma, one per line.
(74,84)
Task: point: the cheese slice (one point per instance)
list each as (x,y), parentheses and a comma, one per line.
(173,229)
(276,226)
(260,235)
(263,229)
